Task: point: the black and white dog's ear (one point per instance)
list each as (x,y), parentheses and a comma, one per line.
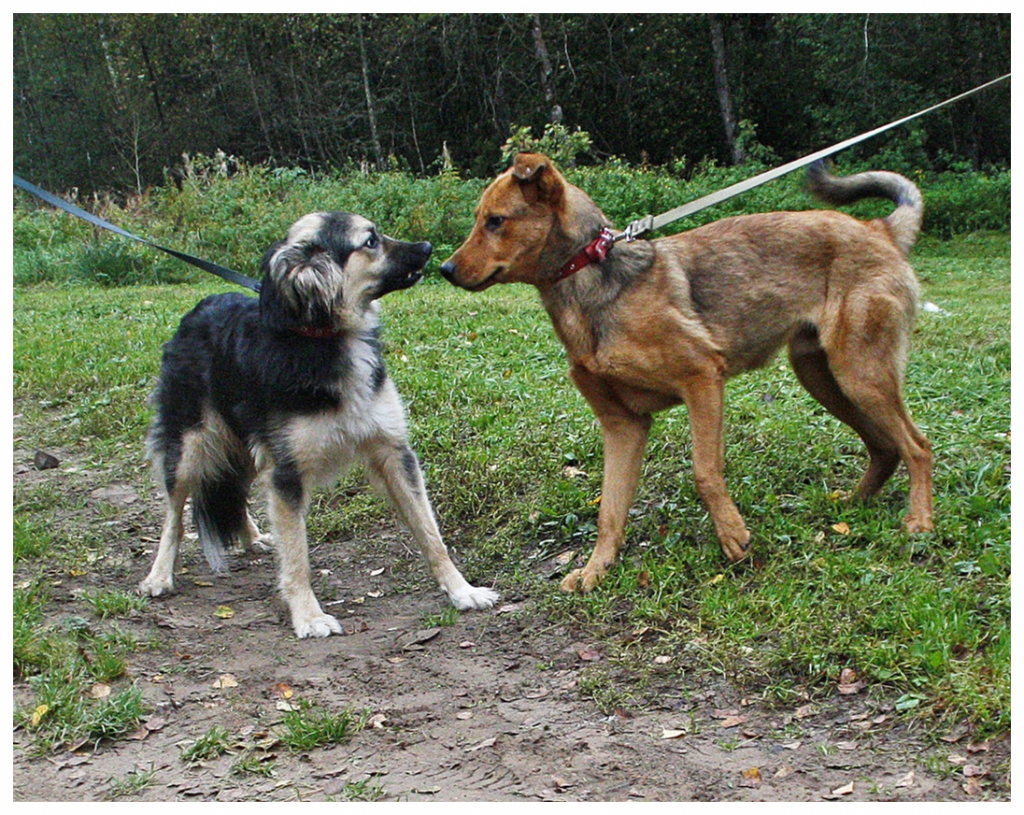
(277,311)
(302,287)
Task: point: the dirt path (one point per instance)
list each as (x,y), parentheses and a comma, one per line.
(487,709)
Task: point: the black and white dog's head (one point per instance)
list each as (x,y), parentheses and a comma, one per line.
(325,276)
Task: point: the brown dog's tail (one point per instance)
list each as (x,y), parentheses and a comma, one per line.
(904,222)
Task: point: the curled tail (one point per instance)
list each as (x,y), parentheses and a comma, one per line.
(905,220)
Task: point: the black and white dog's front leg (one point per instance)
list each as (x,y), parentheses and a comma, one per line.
(288,506)
(393,466)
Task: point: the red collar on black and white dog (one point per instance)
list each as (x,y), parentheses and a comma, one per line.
(593,252)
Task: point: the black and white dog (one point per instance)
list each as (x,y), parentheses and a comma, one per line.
(291,388)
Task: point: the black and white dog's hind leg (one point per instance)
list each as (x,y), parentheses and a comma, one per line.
(211,465)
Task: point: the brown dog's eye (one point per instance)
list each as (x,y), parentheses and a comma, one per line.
(493,222)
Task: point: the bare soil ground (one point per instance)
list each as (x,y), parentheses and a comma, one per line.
(488,709)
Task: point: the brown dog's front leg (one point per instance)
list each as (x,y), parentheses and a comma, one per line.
(625,438)
(705,401)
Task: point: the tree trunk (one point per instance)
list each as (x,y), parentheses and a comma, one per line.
(722,88)
(546,85)
(370,109)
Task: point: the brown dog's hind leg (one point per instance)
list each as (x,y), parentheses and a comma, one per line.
(625,439)
(810,362)
(866,393)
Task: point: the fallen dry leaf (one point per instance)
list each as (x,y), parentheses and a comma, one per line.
(99,691)
(154,723)
(978,747)
(907,780)
(751,778)
(662,660)
(376,721)
(589,654)
(224,612)
(732,721)
(225,681)
(672,734)
(464,715)
(415,642)
(282,690)
(38,714)
(846,789)
(481,745)
(842,528)
(973,786)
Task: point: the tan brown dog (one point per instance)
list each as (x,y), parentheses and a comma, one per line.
(656,323)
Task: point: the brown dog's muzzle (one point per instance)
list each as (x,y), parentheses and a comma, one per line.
(448,270)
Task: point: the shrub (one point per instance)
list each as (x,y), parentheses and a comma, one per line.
(233,219)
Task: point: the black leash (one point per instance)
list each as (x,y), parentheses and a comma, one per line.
(213,268)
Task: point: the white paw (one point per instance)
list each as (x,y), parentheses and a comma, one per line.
(261,543)
(322,625)
(473,597)
(156,586)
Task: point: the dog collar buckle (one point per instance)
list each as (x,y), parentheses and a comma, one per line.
(594,252)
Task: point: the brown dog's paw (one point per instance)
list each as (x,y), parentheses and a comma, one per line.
(738,546)
(580,581)
(918,526)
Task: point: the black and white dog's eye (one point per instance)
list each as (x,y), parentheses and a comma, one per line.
(372,242)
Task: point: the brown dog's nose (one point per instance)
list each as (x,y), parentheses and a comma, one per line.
(448,271)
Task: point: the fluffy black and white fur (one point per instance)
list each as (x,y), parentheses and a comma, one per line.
(292,389)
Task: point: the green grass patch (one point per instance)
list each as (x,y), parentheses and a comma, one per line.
(310,726)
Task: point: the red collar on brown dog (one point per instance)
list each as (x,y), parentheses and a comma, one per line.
(593,252)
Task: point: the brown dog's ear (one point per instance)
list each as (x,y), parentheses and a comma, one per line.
(539,179)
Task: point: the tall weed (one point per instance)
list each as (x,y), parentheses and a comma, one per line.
(233,219)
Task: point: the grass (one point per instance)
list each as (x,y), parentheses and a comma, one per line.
(310,726)
(513,460)
(214,742)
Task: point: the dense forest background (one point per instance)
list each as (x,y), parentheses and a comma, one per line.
(112,101)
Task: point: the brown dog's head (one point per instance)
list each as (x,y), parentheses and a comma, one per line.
(529,222)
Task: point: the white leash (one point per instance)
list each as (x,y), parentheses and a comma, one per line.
(650,222)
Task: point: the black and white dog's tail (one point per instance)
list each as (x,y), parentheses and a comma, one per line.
(219,509)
